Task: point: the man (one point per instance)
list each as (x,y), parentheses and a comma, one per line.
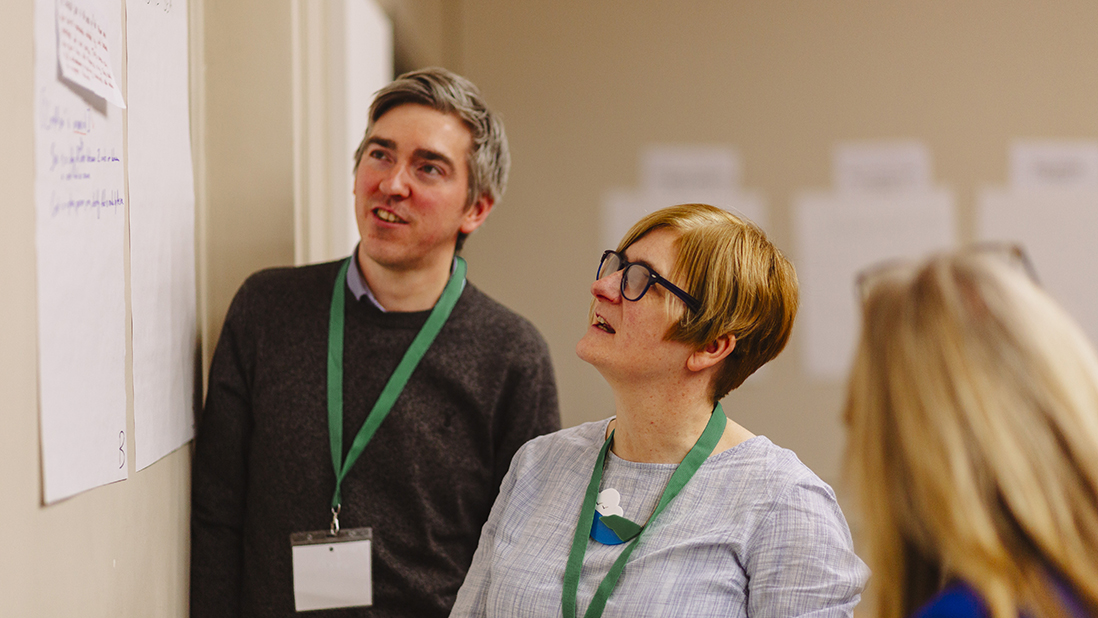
(430,169)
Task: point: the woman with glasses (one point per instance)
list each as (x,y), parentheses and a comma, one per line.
(973,418)
(669,508)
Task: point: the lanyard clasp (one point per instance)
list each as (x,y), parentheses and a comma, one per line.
(334,529)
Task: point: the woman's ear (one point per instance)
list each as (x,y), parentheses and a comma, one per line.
(711,353)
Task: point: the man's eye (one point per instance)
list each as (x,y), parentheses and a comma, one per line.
(376,154)
(431,169)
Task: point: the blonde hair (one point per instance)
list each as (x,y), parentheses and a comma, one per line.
(747,288)
(973,439)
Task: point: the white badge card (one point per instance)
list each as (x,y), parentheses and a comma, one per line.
(332,571)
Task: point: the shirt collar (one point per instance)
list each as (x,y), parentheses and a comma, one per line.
(358,286)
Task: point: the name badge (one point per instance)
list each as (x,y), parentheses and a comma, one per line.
(332,570)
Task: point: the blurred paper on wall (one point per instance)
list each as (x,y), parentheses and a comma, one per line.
(1054,164)
(687,168)
(881,166)
(1057,229)
(621,208)
(680,174)
(837,236)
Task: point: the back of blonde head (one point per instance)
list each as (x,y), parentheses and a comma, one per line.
(973,417)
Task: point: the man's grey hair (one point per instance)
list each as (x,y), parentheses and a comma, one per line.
(489,159)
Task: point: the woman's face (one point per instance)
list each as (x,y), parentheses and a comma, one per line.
(626,340)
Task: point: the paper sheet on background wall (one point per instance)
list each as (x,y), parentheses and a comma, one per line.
(162,273)
(688,168)
(679,174)
(1051,164)
(79,232)
(83,49)
(621,208)
(837,236)
(877,166)
(1057,229)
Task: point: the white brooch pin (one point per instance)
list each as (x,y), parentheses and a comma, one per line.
(609,503)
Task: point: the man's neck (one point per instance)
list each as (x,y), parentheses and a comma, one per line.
(406,290)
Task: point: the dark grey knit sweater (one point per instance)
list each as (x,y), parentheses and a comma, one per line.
(425,483)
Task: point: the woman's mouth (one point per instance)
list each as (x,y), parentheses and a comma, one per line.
(601,324)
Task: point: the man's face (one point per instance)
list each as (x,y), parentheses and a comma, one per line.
(411,189)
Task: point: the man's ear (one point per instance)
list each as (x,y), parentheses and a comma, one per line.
(711,354)
(476,213)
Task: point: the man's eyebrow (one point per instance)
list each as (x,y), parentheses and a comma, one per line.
(381,141)
(431,155)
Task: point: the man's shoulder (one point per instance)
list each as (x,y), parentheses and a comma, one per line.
(281,279)
(498,324)
(281,293)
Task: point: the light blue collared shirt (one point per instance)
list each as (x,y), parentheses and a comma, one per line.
(357,282)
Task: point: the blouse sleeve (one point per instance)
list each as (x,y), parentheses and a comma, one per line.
(472,598)
(802,560)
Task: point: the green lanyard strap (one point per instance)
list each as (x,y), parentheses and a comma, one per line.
(714,429)
(393,387)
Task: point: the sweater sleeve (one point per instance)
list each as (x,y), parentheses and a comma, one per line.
(529,405)
(220,472)
(802,561)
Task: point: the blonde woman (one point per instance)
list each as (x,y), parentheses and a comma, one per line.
(669,508)
(973,417)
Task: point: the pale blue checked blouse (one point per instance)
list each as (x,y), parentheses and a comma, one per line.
(754,533)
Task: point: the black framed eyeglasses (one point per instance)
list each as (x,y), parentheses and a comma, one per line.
(637,278)
(1009,253)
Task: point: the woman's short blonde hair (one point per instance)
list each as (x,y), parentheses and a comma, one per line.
(747,288)
(972,410)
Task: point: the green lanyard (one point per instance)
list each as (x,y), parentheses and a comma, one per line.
(393,387)
(714,429)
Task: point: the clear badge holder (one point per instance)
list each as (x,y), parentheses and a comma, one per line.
(332,568)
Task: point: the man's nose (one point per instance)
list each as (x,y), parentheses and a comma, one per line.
(396,181)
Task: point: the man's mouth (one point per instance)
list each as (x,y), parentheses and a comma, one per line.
(601,324)
(388,216)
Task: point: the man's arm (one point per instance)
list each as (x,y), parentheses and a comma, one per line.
(219,479)
(530,407)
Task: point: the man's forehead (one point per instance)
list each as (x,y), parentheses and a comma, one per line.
(412,105)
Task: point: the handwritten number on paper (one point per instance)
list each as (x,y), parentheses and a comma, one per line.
(121,449)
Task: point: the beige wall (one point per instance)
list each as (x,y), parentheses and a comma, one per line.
(583,86)
(246,147)
(119,550)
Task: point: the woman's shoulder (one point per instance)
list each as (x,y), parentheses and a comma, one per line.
(556,453)
(762,463)
(575,439)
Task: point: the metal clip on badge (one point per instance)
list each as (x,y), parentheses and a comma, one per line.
(334,529)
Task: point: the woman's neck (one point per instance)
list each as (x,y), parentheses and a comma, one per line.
(658,427)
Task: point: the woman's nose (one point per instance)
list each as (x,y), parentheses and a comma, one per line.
(608,287)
